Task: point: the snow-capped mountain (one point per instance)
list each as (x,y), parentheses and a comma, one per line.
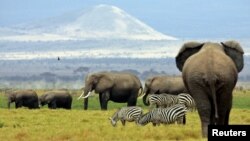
(99,22)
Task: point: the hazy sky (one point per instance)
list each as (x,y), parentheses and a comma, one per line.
(180,18)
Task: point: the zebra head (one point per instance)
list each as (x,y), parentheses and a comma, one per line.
(114,118)
(113,122)
(144,119)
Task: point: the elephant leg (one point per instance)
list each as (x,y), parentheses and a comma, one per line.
(226,121)
(224,107)
(52,105)
(19,104)
(100,99)
(36,105)
(104,100)
(132,99)
(31,105)
(68,106)
(203,106)
(49,106)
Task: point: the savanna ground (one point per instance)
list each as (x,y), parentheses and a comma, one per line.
(80,125)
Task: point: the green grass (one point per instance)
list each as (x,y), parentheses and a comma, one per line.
(241,99)
(80,125)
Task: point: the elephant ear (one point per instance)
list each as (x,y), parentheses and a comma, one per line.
(105,82)
(235,52)
(48,97)
(187,50)
(149,81)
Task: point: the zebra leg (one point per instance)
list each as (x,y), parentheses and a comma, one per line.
(181,120)
(184,120)
(123,122)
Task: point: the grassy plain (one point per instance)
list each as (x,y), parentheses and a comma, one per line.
(80,125)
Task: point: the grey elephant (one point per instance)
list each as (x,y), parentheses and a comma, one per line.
(56,99)
(115,86)
(163,84)
(210,72)
(23,98)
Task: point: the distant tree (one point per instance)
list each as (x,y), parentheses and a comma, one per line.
(82,70)
(135,72)
(151,73)
(48,77)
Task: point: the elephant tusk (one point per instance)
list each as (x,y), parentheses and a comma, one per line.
(87,95)
(141,95)
(80,96)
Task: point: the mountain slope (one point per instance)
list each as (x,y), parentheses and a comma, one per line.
(99,22)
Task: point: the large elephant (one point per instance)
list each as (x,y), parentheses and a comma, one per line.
(23,98)
(210,72)
(163,84)
(56,99)
(115,86)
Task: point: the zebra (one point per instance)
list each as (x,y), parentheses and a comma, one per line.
(164,115)
(187,100)
(152,116)
(132,113)
(167,100)
(162,100)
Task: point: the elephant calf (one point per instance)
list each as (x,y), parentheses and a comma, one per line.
(163,84)
(56,99)
(23,98)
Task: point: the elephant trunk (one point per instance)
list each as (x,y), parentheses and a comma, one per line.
(86,94)
(9,104)
(145,100)
(146,92)
(86,101)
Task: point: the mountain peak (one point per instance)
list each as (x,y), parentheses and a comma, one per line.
(100,22)
(107,7)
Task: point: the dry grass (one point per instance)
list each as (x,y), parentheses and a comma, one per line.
(79,125)
(74,125)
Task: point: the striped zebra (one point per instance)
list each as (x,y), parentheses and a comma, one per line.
(164,115)
(187,100)
(124,114)
(162,100)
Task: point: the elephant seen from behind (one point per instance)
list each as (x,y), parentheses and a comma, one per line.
(23,98)
(210,72)
(56,99)
(115,86)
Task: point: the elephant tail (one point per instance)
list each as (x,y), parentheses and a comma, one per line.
(213,92)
